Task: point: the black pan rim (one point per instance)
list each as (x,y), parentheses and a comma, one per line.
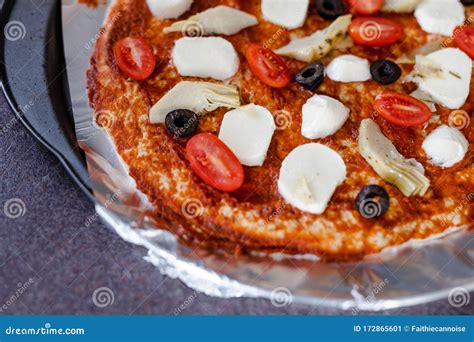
(4,84)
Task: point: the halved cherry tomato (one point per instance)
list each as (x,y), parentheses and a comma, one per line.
(214,162)
(366,7)
(134,56)
(401,109)
(375,31)
(267,66)
(464,38)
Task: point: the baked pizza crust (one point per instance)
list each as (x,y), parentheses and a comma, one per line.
(255,217)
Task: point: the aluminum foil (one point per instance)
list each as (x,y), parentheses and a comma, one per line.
(415,273)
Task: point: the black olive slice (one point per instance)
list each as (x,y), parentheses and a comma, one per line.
(311,76)
(331,9)
(182,123)
(385,72)
(372,201)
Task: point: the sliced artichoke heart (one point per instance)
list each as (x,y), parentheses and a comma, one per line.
(200,97)
(217,20)
(319,44)
(406,174)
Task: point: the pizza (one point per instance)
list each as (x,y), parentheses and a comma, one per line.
(332,127)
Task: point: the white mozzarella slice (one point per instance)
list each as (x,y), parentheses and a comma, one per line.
(445,75)
(248,132)
(446,146)
(323,116)
(440,16)
(212,57)
(309,176)
(287,13)
(349,68)
(168,9)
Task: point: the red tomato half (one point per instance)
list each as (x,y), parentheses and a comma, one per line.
(134,56)
(214,162)
(464,38)
(366,7)
(401,109)
(374,31)
(267,66)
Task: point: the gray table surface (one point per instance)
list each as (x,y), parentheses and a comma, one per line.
(58,262)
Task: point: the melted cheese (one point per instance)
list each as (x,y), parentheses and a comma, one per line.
(309,176)
(446,146)
(440,16)
(445,75)
(323,116)
(204,57)
(349,68)
(248,131)
(168,9)
(287,13)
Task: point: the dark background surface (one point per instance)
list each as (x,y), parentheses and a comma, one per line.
(59,260)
